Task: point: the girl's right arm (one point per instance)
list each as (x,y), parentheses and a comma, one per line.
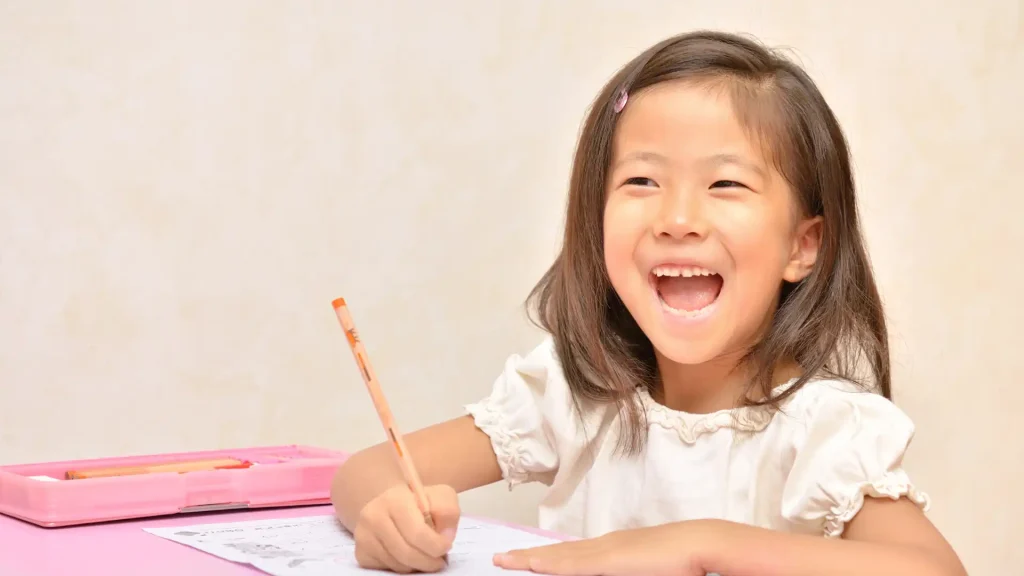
(371,499)
(454,453)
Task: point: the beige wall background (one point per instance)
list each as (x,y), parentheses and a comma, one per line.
(185,186)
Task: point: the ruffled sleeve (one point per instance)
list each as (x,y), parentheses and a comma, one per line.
(525,414)
(848,445)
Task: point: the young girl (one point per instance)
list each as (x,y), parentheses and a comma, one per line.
(714,396)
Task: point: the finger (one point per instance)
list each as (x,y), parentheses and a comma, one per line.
(395,543)
(559,549)
(416,532)
(371,554)
(543,562)
(510,561)
(584,565)
(522,559)
(444,508)
(575,558)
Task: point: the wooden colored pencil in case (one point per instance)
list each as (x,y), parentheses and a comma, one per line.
(164,467)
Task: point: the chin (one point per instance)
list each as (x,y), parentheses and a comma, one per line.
(687,351)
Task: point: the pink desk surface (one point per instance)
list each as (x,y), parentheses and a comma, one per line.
(124,549)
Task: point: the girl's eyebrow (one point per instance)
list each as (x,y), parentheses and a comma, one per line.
(736,160)
(643,156)
(713,161)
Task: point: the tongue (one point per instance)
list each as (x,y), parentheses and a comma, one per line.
(691,293)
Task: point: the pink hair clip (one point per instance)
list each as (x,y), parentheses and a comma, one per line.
(620,100)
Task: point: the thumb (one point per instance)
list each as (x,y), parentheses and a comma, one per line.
(444,507)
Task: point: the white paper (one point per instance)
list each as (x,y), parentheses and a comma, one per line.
(319,545)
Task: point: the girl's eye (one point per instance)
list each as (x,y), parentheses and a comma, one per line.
(727,184)
(640,181)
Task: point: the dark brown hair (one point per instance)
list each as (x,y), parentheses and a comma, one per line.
(831,323)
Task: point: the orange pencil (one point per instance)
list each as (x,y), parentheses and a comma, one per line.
(412,478)
(177,467)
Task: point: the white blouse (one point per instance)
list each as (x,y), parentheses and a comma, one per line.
(806,468)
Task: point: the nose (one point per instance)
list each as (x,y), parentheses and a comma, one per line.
(681,214)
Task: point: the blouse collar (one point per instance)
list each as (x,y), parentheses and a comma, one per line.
(691,426)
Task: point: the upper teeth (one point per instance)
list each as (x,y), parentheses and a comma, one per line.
(686,271)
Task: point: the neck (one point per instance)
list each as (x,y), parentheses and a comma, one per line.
(719,384)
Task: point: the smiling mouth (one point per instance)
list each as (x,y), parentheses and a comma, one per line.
(686,290)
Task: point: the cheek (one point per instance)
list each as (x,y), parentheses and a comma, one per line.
(623,229)
(759,242)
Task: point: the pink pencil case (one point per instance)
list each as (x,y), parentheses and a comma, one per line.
(276,476)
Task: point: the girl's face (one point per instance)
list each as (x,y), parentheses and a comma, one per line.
(700,230)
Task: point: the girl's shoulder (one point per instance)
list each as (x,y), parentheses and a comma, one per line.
(842,443)
(842,402)
(531,416)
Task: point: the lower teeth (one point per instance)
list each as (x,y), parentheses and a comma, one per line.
(683,313)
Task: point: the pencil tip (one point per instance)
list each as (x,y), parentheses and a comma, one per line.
(338,302)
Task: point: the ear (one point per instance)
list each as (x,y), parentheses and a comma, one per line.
(806,243)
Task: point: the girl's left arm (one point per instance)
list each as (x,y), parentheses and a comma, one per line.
(886,538)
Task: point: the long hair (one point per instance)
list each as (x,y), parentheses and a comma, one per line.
(831,323)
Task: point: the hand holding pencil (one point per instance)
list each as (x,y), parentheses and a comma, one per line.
(391,534)
(408,527)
